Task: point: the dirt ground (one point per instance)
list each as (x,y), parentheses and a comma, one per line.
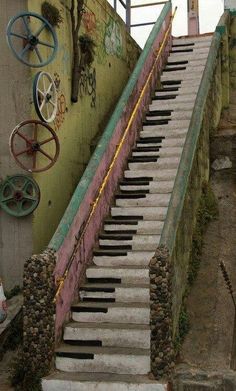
(210,307)
(4,371)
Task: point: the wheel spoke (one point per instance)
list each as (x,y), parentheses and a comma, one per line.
(29,197)
(49,88)
(35,131)
(44,85)
(23,51)
(41,92)
(22,152)
(23,136)
(8,199)
(46,44)
(12,186)
(26,25)
(46,141)
(45,154)
(19,206)
(38,54)
(40,30)
(52,103)
(18,35)
(42,104)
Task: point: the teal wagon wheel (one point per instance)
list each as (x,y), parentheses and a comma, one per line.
(19,195)
(26,38)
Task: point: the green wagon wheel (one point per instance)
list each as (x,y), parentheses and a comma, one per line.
(19,195)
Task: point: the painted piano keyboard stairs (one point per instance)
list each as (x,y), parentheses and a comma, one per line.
(107,344)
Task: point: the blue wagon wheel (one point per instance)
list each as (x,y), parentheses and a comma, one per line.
(45,97)
(32,39)
(19,195)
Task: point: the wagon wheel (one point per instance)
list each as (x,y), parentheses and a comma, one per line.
(19,195)
(25,38)
(34,145)
(45,97)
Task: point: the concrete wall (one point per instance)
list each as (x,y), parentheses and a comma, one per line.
(15,85)
(76,125)
(79,123)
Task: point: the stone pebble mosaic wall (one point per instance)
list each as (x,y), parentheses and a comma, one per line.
(38,311)
(162,349)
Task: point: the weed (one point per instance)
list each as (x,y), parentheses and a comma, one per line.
(51,13)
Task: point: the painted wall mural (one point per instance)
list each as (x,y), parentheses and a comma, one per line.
(113,39)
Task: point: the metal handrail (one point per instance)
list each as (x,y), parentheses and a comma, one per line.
(128,7)
(61,280)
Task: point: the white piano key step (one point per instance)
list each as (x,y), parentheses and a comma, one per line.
(153,187)
(138,243)
(133,258)
(123,313)
(102,359)
(148,213)
(127,293)
(146,200)
(114,334)
(127,274)
(100,382)
(164,162)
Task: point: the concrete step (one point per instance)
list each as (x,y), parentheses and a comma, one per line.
(112,334)
(179,98)
(131,258)
(146,200)
(125,293)
(103,359)
(182,90)
(191,56)
(187,40)
(152,187)
(137,243)
(158,175)
(187,77)
(163,152)
(196,46)
(146,213)
(131,313)
(175,115)
(154,131)
(125,274)
(100,382)
(162,163)
(196,51)
(175,124)
(166,143)
(188,64)
(172,105)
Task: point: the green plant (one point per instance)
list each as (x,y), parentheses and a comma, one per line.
(22,377)
(207,211)
(183,328)
(13,292)
(51,13)
(87,47)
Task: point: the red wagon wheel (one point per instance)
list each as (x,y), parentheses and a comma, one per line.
(34,145)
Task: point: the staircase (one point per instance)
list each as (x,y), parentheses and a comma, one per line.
(107,343)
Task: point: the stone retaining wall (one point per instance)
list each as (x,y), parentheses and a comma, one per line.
(169,267)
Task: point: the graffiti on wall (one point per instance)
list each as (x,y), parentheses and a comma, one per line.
(87,84)
(113,39)
(61,103)
(89,22)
